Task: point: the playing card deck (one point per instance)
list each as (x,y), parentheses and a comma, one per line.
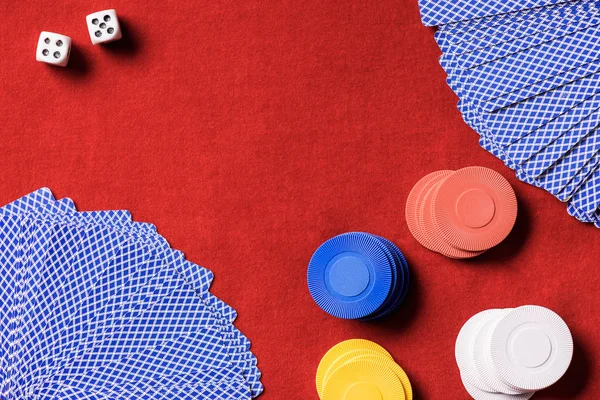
(96,306)
(527,73)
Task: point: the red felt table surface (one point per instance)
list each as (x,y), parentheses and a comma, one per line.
(251,131)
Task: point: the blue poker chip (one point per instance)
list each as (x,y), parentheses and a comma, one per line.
(396,281)
(402,265)
(350,276)
(399,290)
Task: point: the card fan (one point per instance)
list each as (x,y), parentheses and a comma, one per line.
(527,73)
(95,306)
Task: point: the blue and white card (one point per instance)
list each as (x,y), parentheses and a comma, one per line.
(98,305)
(527,74)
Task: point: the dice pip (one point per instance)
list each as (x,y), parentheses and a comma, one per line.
(103,26)
(53,48)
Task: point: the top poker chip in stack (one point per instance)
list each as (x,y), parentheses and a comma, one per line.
(358,369)
(358,276)
(96,306)
(463,213)
(512,353)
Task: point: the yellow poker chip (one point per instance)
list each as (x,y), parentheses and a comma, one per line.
(363,379)
(341,349)
(389,364)
(345,358)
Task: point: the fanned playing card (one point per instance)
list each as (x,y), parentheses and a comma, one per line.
(527,74)
(97,306)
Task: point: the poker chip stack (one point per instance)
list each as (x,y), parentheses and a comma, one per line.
(512,353)
(527,73)
(95,306)
(462,213)
(357,275)
(361,370)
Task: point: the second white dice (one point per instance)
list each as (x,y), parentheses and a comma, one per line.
(103,26)
(53,48)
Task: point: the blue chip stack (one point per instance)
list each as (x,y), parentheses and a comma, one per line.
(358,275)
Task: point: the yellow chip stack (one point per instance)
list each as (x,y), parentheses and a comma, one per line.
(358,369)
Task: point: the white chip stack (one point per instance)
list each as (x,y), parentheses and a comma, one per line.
(512,353)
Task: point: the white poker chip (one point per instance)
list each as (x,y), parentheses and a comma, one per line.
(463,350)
(531,348)
(479,394)
(480,348)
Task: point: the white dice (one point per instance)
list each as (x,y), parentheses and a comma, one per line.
(53,48)
(103,26)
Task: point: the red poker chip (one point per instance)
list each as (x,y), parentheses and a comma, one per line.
(433,236)
(474,209)
(413,203)
(419,207)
